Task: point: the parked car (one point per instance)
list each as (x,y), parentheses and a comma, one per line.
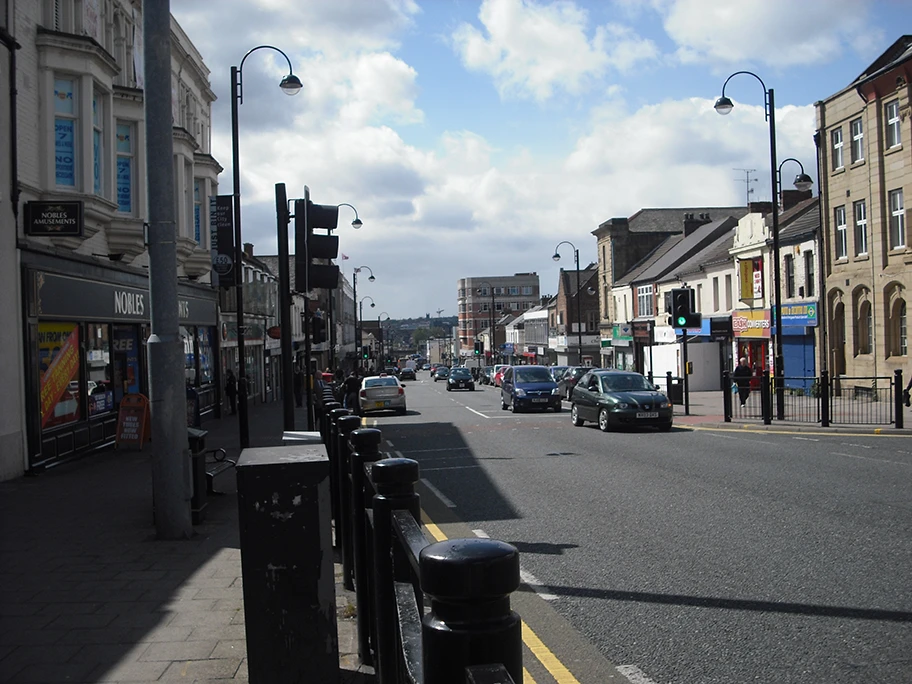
(619,398)
(441,373)
(381,393)
(460,378)
(498,373)
(557,372)
(486,375)
(569,379)
(528,387)
(407,374)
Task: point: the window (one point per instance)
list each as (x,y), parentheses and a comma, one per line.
(840,246)
(715,294)
(514,290)
(197,217)
(527,289)
(898,342)
(98,148)
(698,299)
(891,116)
(644,301)
(897,219)
(836,138)
(864,330)
(728,292)
(809,274)
(65,131)
(58,359)
(789,275)
(857,129)
(861,228)
(99,369)
(124,145)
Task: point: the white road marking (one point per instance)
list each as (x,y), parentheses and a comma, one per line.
(465,467)
(389,444)
(806,439)
(860,446)
(481,534)
(868,458)
(440,495)
(478,413)
(431,451)
(398,454)
(634,674)
(527,577)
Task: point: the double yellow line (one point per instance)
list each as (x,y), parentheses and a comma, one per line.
(544,655)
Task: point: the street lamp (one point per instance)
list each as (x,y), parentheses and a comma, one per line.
(371,279)
(291,85)
(491,336)
(579,311)
(361,315)
(724,106)
(802,182)
(356,223)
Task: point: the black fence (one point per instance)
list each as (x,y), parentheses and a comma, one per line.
(839,400)
(427,612)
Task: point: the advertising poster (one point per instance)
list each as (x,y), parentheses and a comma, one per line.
(58,354)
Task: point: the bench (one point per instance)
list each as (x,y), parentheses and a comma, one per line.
(219,464)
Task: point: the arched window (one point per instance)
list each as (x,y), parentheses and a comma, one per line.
(864,329)
(899,340)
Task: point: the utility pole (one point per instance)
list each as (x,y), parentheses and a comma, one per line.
(171,479)
(747,180)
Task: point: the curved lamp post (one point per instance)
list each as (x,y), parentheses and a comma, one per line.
(291,85)
(492,335)
(370,279)
(579,311)
(361,314)
(724,105)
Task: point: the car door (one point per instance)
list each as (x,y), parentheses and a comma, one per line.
(585,396)
(506,385)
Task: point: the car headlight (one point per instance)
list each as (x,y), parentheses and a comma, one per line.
(520,392)
(555,391)
(663,403)
(621,405)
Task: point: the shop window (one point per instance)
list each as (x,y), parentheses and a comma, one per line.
(58,361)
(204,336)
(99,369)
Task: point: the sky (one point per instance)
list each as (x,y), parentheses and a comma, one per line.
(473,136)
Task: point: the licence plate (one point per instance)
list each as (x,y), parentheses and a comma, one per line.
(381,404)
(648,414)
(539,400)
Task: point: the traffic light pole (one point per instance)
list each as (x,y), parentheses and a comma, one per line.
(686,378)
(282,219)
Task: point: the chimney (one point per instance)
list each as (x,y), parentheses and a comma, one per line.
(792,197)
(248,249)
(691,222)
(760,207)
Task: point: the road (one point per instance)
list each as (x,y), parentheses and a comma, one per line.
(695,556)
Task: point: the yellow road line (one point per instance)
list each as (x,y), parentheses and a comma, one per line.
(544,655)
(779,431)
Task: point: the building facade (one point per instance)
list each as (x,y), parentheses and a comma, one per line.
(80,176)
(865,157)
(481,300)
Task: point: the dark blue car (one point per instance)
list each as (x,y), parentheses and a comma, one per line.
(528,387)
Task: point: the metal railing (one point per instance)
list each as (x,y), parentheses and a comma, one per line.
(427,612)
(840,400)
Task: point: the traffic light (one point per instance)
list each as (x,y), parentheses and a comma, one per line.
(479,347)
(365,352)
(318,329)
(310,246)
(682,313)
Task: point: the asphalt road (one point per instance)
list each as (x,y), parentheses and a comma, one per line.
(695,556)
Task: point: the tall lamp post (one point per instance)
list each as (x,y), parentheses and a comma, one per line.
(579,310)
(361,316)
(380,320)
(492,335)
(356,223)
(370,279)
(724,105)
(291,85)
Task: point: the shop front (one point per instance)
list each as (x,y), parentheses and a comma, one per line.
(85,350)
(752,329)
(799,324)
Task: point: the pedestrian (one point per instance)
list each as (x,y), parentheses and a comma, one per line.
(907,399)
(298,380)
(350,389)
(231,390)
(742,377)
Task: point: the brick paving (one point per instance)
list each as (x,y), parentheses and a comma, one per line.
(87,594)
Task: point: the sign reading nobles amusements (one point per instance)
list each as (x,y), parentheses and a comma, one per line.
(54,219)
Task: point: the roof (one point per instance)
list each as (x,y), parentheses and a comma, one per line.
(671,220)
(898,52)
(633,274)
(801,221)
(717,252)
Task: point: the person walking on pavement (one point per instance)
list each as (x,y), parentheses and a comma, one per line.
(350,389)
(231,390)
(742,377)
(298,383)
(907,399)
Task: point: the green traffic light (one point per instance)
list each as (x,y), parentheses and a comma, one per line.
(682,321)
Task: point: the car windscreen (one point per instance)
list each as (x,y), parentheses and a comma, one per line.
(625,383)
(460,373)
(534,374)
(380,382)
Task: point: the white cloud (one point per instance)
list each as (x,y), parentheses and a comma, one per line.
(777,33)
(531,50)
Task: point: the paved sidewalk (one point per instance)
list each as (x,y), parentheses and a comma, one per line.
(88,595)
(706,411)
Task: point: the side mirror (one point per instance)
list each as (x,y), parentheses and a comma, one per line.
(656,388)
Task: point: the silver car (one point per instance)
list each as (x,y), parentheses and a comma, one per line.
(381,393)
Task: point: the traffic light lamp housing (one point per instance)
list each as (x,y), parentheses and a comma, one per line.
(682,309)
(310,246)
(365,352)
(318,330)
(479,347)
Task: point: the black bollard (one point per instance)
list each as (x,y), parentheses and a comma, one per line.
(345,425)
(365,448)
(898,402)
(727,396)
(469,582)
(324,422)
(289,591)
(766,398)
(394,481)
(824,398)
(331,449)
(326,398)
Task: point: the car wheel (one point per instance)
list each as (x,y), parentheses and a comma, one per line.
(665,427)
(558,408)
(401,411)
(574,416)
(449,388)
(503,404)
(514,406)
(603,422)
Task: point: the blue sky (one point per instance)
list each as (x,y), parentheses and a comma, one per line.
(474,135)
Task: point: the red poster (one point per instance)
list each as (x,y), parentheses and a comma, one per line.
(56,379)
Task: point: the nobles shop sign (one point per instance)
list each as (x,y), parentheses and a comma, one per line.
(54,219)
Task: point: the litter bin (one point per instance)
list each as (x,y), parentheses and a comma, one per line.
(197,442)
(676,390)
